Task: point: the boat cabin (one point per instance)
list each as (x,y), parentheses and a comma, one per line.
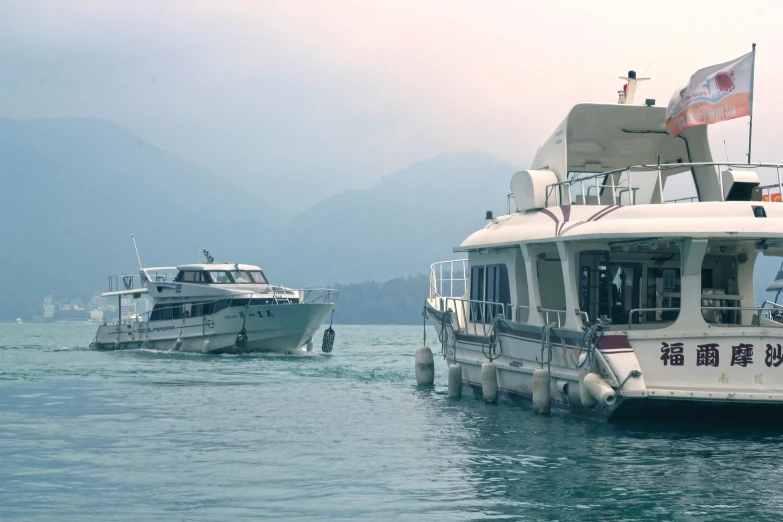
(590,236)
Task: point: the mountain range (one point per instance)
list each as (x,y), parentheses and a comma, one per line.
(72,191)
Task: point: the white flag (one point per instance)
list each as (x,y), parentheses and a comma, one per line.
(718,93)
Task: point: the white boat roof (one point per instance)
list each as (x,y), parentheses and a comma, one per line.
(584,222)
(600,137)
(217,266)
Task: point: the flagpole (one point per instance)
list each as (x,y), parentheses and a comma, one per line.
(750,125)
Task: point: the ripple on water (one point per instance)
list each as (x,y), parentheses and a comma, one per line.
(154,435)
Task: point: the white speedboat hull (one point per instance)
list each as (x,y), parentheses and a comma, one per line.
(264,328)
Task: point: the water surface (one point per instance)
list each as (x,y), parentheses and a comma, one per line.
(145,435)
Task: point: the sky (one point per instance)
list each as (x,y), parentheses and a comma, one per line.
(301,99)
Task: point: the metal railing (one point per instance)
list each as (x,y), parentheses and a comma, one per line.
(318,296)
(728,316)
(617,184)
(638,311)
(477,317)
(451,275)
(472,316)
(559,316)
(768,195)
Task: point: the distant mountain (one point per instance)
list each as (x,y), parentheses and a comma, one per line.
(73,190)
(406,221)
(397,301)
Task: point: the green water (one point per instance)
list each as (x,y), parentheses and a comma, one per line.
(143,435)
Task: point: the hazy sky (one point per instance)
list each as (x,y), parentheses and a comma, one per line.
(346,91)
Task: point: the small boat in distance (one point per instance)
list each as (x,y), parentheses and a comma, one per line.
(212,308)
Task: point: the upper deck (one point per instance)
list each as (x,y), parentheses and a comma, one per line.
(603,172)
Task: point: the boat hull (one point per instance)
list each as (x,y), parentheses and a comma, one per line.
(267,328)
(659,392)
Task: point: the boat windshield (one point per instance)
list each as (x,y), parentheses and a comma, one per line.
(220,278)
(258,277)
(241,277)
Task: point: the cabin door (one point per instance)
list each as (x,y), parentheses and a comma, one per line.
(610,289)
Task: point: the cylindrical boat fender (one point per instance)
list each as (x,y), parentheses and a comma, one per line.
(177,344)
(489,382)
(542,393)
(117,344)
(310,345)
(562,387)
(146,344)
(206,346)
(425,366)
(455,381)
(587,399)
(599,389)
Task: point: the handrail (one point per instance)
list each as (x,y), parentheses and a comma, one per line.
(599,180)
(547,311)
(758,309)
(644,310)
(437,278)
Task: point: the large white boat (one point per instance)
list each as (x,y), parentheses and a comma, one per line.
(634,306)
(213,308)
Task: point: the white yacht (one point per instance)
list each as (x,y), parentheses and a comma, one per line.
(634,306)
(213,308)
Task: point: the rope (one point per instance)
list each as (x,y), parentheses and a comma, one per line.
(241,340)
(493,341)
(592,335)
(328,342)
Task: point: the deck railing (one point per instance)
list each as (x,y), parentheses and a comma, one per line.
(476,317)
(449,278)
(619,183)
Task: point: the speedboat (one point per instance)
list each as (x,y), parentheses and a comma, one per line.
(213,308)
(632,306)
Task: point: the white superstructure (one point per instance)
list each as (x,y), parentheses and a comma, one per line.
(593,273)
(213,308)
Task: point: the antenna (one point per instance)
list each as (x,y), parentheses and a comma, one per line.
(629,89)
(137,251)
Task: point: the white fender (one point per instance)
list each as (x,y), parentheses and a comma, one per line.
(206,347)
(542,393)
(425,366)
(455,381)
(489,382)
(599,389)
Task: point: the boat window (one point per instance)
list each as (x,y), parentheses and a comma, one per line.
(221,305)
(551,287)
(258,277)
(490,284)
(476,293)
(241,277)
(165,314)
(220,277)
(191,276)
(177,312)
